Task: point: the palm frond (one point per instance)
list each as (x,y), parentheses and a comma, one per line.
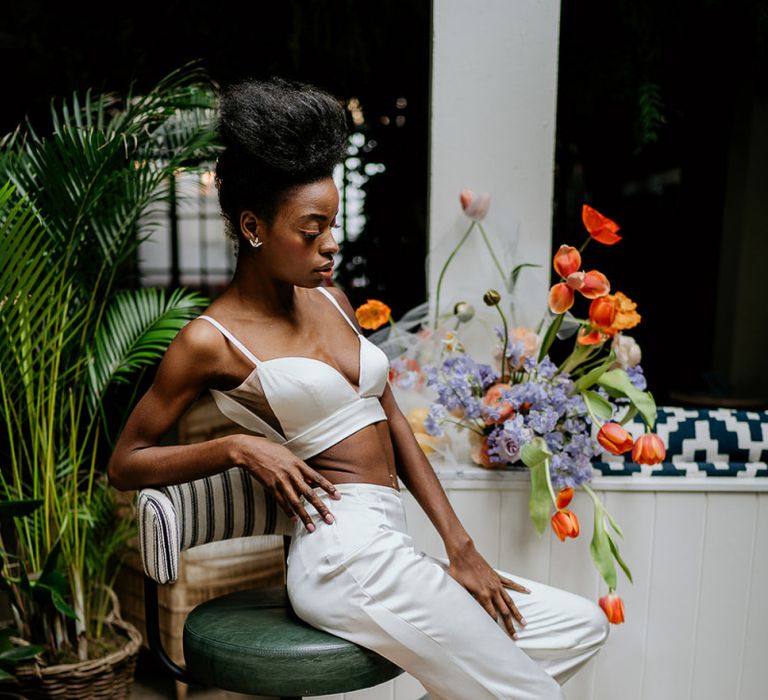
(138,327)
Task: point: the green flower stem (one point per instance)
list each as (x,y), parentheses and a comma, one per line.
(396,333)
(464,425)
(442,273)
(549,483)
(493,255)
(592,415)
(504,376)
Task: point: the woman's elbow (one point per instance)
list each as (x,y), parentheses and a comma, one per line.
(117,474)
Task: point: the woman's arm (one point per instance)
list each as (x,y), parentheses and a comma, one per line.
(414,468)
(186,369)
(467,566)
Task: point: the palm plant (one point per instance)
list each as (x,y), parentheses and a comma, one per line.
(70,204)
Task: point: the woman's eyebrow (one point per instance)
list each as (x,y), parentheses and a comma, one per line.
(314,215)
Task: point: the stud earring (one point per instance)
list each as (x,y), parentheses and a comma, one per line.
(255,243)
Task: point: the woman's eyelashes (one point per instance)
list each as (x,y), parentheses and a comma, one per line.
(314,234)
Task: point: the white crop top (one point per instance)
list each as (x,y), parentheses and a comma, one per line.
(314,404)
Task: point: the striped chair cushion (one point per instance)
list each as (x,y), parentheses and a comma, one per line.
(700,443)
(219,507)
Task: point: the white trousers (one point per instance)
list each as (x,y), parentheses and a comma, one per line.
(362,579)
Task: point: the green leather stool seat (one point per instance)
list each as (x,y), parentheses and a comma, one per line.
(252,642)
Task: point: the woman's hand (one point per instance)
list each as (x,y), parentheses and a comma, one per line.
(473,572)
(286,476)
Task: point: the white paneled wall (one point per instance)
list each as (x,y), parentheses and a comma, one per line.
(696,616)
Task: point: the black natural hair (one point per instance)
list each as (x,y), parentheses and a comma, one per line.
(277,134)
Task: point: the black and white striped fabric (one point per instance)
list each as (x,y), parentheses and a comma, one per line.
(219,507)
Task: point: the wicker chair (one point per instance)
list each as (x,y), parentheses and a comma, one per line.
(247,641)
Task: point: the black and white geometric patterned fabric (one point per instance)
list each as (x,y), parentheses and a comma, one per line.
(218,507)
(700,443)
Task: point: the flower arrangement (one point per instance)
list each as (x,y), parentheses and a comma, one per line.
(526,412)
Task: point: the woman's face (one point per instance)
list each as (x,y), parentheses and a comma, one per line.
(300,239)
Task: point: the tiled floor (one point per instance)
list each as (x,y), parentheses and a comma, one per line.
(152,683)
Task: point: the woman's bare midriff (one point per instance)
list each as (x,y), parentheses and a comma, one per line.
(363,457)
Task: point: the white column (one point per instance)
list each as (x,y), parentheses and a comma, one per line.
(494,91)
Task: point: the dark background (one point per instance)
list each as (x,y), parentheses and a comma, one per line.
(645,117)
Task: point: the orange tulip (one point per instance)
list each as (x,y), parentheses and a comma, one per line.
(613,607)
(626,316)
(595,285)
(478,451)
(614,438)
(565,523)
(649,449)
(564,497)
(560,298)
(576,280)
(373,314)
(567,260)
(602,312)
(493,398)
(590,337)
(600,227)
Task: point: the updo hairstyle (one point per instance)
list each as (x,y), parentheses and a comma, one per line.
(277,134)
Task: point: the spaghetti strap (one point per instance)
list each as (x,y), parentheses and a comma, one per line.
(234,340)
(341,311)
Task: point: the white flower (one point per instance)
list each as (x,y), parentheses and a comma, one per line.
(627,351)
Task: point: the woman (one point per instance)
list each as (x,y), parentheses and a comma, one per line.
(277,351)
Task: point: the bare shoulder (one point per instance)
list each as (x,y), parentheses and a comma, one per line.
(345,304)
(197,350)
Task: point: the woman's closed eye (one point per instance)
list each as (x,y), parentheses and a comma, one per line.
(315,234)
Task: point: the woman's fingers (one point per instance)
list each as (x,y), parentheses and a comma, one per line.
(505,610)
(509,583)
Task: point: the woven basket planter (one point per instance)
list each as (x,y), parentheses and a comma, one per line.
(109,677)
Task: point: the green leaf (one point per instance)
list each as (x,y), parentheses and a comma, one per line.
(539,502)
(536,455)
(5,676)
(598,405)
(600,549)
(61,605)
(617,383)
(593,375)
(614,524)
(616,554)
(21,653)
(549,336)
(516,272)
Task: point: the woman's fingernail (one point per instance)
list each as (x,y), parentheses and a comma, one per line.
(328,518)
(310,527)
(524,621)
(514,635)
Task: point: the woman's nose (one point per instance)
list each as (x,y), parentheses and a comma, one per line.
(330,245)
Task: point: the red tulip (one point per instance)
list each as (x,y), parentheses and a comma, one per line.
(649,449)
(564,497)
(595,285)
(602,312)
(614,438)
(600,227)
(565,524)
(613,607)
(567,260)
(560,298)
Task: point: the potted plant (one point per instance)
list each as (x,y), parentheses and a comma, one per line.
(70,203)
